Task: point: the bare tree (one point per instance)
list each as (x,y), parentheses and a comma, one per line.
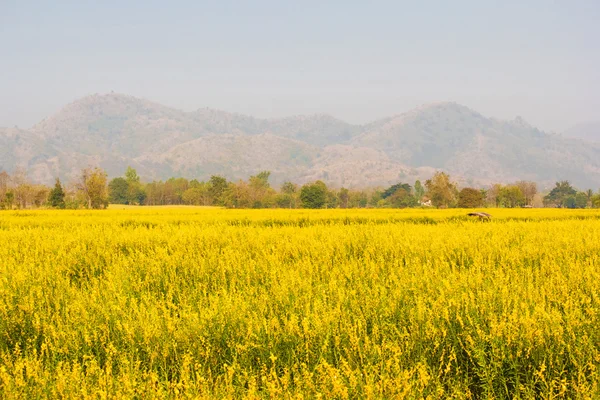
(22,189)
(4,184)
(529,190)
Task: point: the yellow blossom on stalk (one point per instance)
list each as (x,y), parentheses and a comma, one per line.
(159,302)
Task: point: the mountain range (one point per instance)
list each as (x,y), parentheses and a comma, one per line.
(114,131)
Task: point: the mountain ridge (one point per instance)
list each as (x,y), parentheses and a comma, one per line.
(114,130)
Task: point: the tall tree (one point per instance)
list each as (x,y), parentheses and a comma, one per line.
(174,189)
(155,193)
(392,189)
(529,190)
(4,186)
(511,196)
(198,194)
(470,198)
(595,200)
(93,188)
(9,200)
(135,191)
(314,195)
(22,189)
(288,195)
(218,185)
(261,193)
(581,200)
(492,195)
(344,197)
(419,190)
(56,198)
(402,198)
(590,194)
(441,190)
(118,191)
(131,175)
(559,195)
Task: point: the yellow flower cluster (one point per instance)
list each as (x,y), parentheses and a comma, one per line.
(188,302)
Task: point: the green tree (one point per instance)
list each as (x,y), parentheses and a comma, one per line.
(511,196)
(193,196)
(392,189)
(559,195)
(314,195)
(118,191)
(332,199)
(200,194)
(174,189)
(260,191)
(9,199)
(595,200)
(589,193)
(135,190)
(441,190)
(288,195)
(419,190)
(470,198)
(56,198)
(218,185)
(155,193)
(131,175)
(358,199)
(402,198)
(581,200)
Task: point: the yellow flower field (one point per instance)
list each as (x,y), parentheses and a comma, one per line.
(207,303)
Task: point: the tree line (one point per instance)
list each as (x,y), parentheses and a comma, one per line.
(92,189)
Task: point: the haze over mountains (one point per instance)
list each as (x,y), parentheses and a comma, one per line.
(589,131)
(113,131)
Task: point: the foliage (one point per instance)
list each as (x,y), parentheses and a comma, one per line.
(314,195)
(4,188)
(118,191)
(561,195)
(218,185)
(402,198)
(7,201)
(581,200)
(470,198)
(131,176)
(93,188)
(595,200)
(288,196)
(528,189)
(511,196)
(441,190)
(419,190)
(344,197)
(56,198)
(392,189)
(198,194)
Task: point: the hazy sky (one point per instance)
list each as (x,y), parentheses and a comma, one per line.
(356,60)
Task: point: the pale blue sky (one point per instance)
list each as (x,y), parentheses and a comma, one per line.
(356,60)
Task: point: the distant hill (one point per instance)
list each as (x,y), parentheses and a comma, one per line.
(589,131)
(113,131)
